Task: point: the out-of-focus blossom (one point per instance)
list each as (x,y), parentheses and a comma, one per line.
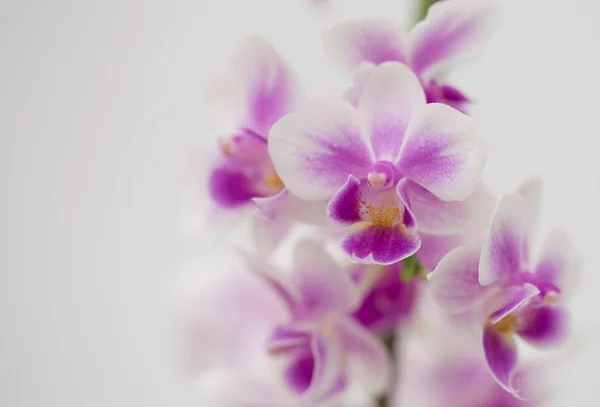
(321,339)
(289,341)
(441,364)
(452,30)
(390,302)
(385,165)
(258,91)
(516,294)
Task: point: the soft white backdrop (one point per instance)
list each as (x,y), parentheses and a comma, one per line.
(102,112)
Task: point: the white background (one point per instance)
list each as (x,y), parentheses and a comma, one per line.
(102,112)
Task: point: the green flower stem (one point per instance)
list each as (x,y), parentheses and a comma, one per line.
(423,7)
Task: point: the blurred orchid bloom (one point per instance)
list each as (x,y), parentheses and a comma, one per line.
(457,378)
(384,166)
(516,295)
(259,90)
(441,364)
(321,340)
(285,342)
(451,30)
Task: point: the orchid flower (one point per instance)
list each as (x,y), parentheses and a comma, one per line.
(517,295)
(451,30)
(283,342)
(321,340)
(259,90)
(390,164)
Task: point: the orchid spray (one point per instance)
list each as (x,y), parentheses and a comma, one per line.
(413,284)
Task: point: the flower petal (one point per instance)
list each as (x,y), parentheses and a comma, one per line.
(359,79)
(328,377)
(269,89)
(381,245)
(513,299)
(272,223)
(388,99)
(455,217)
(559,263)
(501,356)
(450,30)
(324,287)
(434,248)
(453,283)
(442,152)
(544,326)
(390,302)
(505,249)
(229,187)
(345,207)
(315,148)
(374,40)
(366,354)
(212,341)
(270,275)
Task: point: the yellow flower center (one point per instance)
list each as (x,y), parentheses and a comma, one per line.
(385,215)
(506,324)
(272,180)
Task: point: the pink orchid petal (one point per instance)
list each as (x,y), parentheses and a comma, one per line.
(381,245)
(440,217)
(442,152)
(559,263)
(454,283)
(374,40)
(323,286)
(366,354)
(452,30)
(434,248)
(387,102)
(506,248)
(544,326)
(314,149)
(501,356)
(269,89)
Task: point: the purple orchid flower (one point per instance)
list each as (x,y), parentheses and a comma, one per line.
(384,165)
(283,343)
(516,295)
(260,89)
(390,302)
(451,30)
(321,340)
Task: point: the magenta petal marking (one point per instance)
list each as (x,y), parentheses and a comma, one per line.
(519,297)
(299,372)
(390,302)
(374,40)
(544,326)
(381,245)
(328,373)
(230,187)
(501,356)
(345,206)
(505,250)
(270,88)
(409,218)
